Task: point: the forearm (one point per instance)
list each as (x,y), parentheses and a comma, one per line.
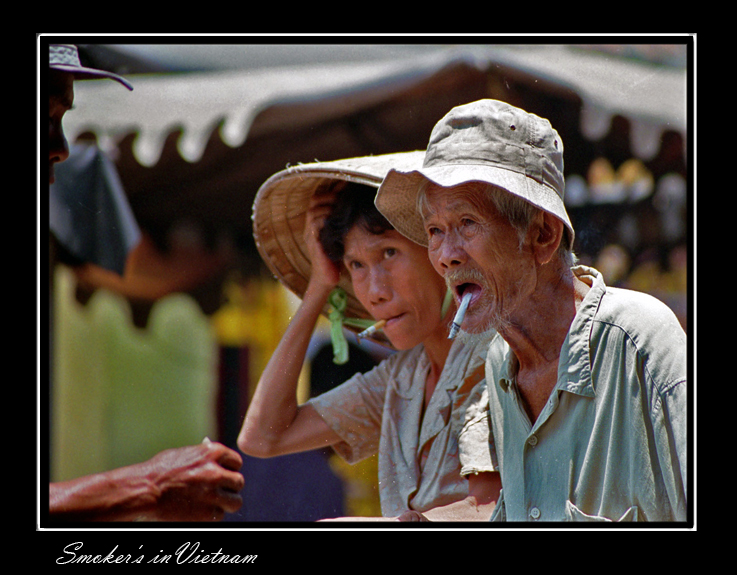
(483,493)
(193,483)
(465,510)
(274,407)
(468,509)
(117,495)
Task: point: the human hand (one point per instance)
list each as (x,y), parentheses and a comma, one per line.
(324,271)
(195,483)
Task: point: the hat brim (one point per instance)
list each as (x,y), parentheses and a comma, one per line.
(397,195)
(80,72)
(279,214)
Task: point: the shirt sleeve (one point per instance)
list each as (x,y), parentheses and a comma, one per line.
(471,411)
(654,359)
(354,411)
(670,429)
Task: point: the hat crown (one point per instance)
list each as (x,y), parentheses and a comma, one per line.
(64,54)
(486,141)
(496,134)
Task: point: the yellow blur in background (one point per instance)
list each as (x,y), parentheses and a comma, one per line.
(122,394)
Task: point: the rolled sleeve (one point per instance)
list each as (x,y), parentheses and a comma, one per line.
(475,444)
(354,411)
(475,449)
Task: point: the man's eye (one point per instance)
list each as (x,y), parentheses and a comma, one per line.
(389,252)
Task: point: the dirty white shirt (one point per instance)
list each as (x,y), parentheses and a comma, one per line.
(611,443)
(422,461)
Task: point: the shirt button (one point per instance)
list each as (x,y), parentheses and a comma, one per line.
(535,513)
(532,441)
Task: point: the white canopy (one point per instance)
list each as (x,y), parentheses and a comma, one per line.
(193,147)
(652,97)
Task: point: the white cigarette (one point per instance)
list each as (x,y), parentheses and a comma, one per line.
(372,329)
(460,314)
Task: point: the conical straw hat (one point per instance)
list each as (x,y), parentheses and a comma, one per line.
(279,213)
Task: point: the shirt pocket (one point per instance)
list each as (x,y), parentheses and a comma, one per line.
(573,513)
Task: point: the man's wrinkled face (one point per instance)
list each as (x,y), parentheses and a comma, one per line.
(61,99)
(477,251)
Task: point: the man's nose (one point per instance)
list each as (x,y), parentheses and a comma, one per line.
(58,146)
(379,286)
(449,254)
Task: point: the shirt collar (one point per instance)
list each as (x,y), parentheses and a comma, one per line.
(501,354)
(574,369)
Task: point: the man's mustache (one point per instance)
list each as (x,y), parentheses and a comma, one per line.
(458,277)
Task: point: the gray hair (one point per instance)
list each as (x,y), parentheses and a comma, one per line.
(518,212)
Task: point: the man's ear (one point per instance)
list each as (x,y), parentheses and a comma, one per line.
(547,233)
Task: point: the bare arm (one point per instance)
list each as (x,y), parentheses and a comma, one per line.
(483,493)
(275,424)
(195,483)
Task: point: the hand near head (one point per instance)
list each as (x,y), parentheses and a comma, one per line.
(324,271)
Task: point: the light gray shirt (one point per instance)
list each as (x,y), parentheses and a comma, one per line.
(423,459)
(611,443)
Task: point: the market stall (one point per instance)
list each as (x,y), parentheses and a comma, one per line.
(198,135)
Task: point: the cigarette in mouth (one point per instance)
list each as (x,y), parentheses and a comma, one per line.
(372,329)
(460,314)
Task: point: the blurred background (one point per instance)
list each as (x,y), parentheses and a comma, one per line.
(161,342)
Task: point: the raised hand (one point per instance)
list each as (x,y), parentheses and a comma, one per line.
(324,271)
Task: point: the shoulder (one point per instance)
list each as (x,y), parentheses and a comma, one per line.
(368,390)
(637,324)
(644,318)
(379,377)
(403,359)
(398,371)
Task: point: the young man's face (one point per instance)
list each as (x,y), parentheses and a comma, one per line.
(393,279)
(61,98)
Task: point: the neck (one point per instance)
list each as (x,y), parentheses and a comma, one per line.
(536,331)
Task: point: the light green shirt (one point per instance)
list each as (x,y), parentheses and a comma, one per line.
(611,443)
(423,458)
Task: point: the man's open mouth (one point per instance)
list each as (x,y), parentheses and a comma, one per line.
(468,287)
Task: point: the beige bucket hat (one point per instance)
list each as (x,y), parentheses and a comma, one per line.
(489,141)
(279,214)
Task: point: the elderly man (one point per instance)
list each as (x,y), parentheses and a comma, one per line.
(587,384)
(192,483)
